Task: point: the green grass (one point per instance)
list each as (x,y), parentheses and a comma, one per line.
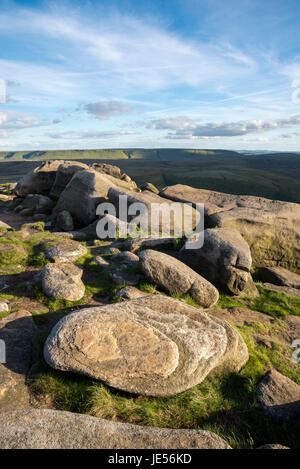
(225,404)
(276,304)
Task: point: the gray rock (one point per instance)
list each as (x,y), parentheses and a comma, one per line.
(270,227)
(52,429)
(154,346)
(66,251)
(64,174)
(38,181)
(36,203)
(76,235)
(177,278)
(84,193)
(151,242)
(64,221)
(162,215)
(17,331)
(280,397)
(279,276)
(111,228)
(130,293)
(285,290)
(127,258)
(63,281)
(224,259)
(113,171)
(127,278)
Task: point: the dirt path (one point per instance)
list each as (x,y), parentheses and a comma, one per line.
(12,219)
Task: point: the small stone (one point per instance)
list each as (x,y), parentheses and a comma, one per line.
(66,251)
(101,261)
(63,281)
(130,293)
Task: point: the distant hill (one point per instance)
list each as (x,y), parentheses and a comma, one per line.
(164,154)
(275,176)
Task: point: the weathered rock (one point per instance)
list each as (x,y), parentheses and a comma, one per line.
(110,227)
(40,180)
(127,278)
(280,397)
(160,215)
(272,446)
(147,186)
(155,346)
(279,276)
(25,212)
(64,221)
(64,174)
(127,258)
(270,227)
(285,290)
(63,281)
(52,429)
(3,307)
(36,203)
(84,192)
(113,171)
(243,316)
(224,259)
(150,242)
(39,217)
(66,251)
(130,293)
(177,278)
(108,250)
(17,331)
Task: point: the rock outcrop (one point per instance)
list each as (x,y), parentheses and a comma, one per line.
(154,346)
(280,397)
(270,227)
(84,192)
(40,180)
(52,429)
(224,259)
(175,277)
(162,215)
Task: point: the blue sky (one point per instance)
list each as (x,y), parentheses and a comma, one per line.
(159,73)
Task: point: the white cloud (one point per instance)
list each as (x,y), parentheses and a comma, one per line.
(105,109)
(90,134)
(186,128)
(11,121)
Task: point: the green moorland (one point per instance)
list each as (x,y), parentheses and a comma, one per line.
(225,404)
(275,176)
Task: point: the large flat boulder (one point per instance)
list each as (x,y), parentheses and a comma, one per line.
(84,192)
(161,216)
(52,429)
(280,397)
(270,227)
(154,346)
(175,277)
(38,181)
(224,259)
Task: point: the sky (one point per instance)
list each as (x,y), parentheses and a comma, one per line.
(150,74)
